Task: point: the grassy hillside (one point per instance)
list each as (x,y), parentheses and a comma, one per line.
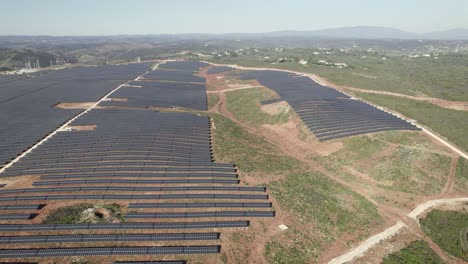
(451,124)
(318,210)
(415,253)
(444,77)
(449,229)
(245,105)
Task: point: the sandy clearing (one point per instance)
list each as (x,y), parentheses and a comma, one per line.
(80,128)
(276,108)
(325,148)
(82,105)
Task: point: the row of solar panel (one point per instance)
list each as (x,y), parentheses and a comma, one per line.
(132,189)
(6,207)
(328,113)
(138,215)
(142,175)
(119,172)
(113,181)
(164,88)
(175,76)
(81,238)
(18,216)
(30,101)
(132,197)
(198,205)
(110,251)
(114,161)
(158,171)
(123,226)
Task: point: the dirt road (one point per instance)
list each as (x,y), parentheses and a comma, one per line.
(402,219)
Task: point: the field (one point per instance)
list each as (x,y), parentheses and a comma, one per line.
(316,210)
(449,230)
(440,78)
(451,124)
(416,252)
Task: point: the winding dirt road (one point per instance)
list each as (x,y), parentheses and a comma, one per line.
(403,220)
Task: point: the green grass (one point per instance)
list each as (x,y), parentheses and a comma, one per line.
(407,168)
(73,214)
(451,124)
(245,105)
(412,171)
(213,99)
(461,176)
(446,229)
(323,211)
(415,253)
(319,210)
(355,149)
(314,197)
(67,215)
(251,153)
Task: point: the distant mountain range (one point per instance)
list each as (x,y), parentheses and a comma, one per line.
(368,32)
(358,32)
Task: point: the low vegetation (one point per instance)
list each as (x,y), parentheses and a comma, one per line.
(442,77)
(448,229)
(416,252)
(461,176)
(213,99)
(319,210)
(413,165)
(251,153)
(246,106)
(85,213)
(451,124)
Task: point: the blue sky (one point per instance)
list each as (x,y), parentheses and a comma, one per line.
(111,17)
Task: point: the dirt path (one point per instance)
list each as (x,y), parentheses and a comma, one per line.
(448,188)
(320,81)
(232,89)
(454,105)
(370,242)
(287,141)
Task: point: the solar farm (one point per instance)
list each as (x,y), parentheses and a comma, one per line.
(328,113)
(143,141)
(159,165)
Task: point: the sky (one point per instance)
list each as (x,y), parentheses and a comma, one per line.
(129,17)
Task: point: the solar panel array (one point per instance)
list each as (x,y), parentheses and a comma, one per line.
(173,86)
(159,166)
(328,113)
(26,104)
